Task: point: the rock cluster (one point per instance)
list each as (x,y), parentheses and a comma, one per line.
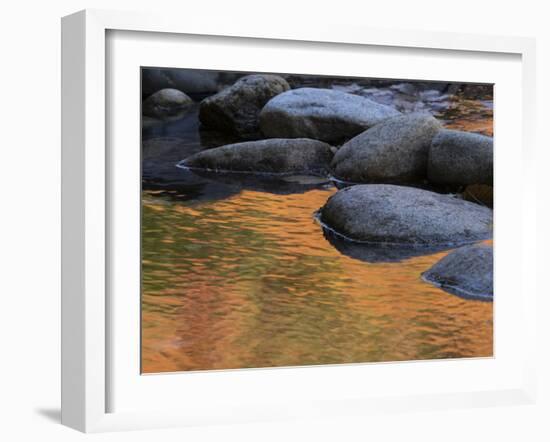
(371,147)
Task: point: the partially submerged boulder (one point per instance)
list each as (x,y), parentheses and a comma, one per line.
(397,215)
(321,114)
(272,156)
(236,109)
(166,103)
(466,272)
(394,151)
(461,158)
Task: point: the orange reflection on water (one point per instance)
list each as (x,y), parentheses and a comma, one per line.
(250,281)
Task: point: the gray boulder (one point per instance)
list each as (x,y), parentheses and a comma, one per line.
(461,158)
(322,114)
(166,103)
(466,272)
(394,151)
(272,156)
(236,109)
(397,215)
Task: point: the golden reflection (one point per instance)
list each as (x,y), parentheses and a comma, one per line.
(250,281)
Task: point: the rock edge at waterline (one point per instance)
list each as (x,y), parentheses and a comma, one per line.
(271,156)
(398,215)
(466,272)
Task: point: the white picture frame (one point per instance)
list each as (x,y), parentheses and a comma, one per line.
(86,356)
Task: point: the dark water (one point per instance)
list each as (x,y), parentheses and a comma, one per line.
(237,273)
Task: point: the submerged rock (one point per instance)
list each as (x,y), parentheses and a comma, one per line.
(466,272)
(236,109)
(274,156)
(166,103)
(388,214)
(321,114)
(394,151)
(461,158)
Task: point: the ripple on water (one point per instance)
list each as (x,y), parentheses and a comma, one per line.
(250,281)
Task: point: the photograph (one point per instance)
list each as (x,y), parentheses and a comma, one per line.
(296,219)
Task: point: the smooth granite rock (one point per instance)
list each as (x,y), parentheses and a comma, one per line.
(236,109)
(389,214)
(166,103)
(394,151)
(466,272)
(461,158)
(274,156)
(321,114)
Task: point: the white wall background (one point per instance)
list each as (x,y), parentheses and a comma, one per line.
(30,215)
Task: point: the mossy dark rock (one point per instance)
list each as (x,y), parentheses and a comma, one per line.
(272,156)
(466,272)
(461,158)
(389,214)
(236,109)
(166,103)
(321,114)
(394,151)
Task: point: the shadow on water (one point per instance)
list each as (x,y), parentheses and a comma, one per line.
(275,184)
(166,143)
(375,253)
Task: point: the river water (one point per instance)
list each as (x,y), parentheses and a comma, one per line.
(237,273)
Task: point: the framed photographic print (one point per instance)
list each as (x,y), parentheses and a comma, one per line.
(261,224)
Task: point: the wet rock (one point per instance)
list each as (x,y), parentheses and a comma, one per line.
(466,272)
(321,114)
(272,156)
(389,214)
(394,151)
(236,109)
(166,103)
(461,158)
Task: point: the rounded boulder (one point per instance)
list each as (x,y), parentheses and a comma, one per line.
(272,156)
(236,109)
(461,158)
(394,151)
(322,114)
(166,103)
(398,215)
(466,272)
